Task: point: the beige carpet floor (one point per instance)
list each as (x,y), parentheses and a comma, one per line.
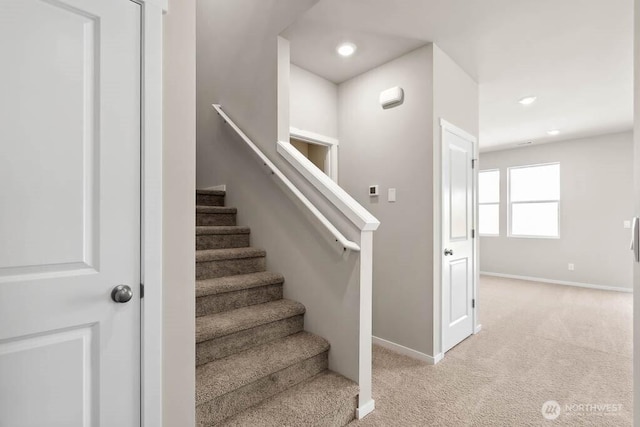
(539,342)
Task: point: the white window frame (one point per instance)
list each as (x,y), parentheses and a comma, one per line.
(510,207)
(491,203)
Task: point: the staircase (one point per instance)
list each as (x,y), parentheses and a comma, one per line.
(255,365)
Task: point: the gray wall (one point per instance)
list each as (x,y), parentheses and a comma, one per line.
(456,100)
(314,103)
(243,77)
(391,148)
(395,148)
(596,197)
(178,213)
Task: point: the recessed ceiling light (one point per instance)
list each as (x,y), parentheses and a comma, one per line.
(553,132)
(528,100)
(346,49)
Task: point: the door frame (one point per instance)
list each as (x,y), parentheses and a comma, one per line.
(151,314)
(331,159)
(439,321)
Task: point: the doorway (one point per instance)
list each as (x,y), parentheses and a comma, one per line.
(321,150)
(459,250)
(317,154)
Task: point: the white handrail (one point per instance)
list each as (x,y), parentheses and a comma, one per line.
(353,210)
(346,243)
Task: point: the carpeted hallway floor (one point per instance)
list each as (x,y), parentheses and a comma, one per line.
(539,342)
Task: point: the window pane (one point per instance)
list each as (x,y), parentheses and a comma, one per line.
(489,219)
(489,187)
(534,219)
(533,183)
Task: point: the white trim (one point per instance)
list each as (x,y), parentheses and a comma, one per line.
(163,5)
(273,169)
(222,187)
(331,159)
(312,137)
(409,352)
(365,322)
(151,315)
(557,282)
(366,409)
(458,131)
(477,329)
(353,210)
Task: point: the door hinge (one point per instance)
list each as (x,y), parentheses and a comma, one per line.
(473,163)
(473,303)
(141,290)
(473,233)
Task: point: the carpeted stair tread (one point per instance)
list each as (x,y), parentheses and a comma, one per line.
(215,209)
(240,282)
(222,376)
(233,253)
(310,403)
(221,229)
(229,322)
(211,192)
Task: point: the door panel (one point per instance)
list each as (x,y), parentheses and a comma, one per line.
(457,221)
(70,217)
(458,291)
(458,193)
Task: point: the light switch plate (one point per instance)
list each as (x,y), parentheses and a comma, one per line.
(392,195)
(626,224)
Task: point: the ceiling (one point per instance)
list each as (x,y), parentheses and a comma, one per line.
(576,56)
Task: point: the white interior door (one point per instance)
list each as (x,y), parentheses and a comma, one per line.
(458,269)
(69,212)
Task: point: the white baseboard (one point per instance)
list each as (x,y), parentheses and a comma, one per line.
(222,187)
(477,329)
(557,282)
(365,409)
(414,354)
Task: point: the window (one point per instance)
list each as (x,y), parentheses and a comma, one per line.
(489,203)
(534,201)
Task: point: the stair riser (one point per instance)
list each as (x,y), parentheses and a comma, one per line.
(229,267)
(227,405)
(341,417)
(218,303)
(218,348)
(215,219)
(221,241)
(209,200)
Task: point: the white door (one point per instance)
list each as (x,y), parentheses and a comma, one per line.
(458,269)
(69,212)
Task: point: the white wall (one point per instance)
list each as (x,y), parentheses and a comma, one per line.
(392,148)
(313,103)
(179,214)
(636,271)
(596,197)
(243,77)
(456,100)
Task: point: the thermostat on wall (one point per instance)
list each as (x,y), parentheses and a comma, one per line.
(391,97)
(374,190)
